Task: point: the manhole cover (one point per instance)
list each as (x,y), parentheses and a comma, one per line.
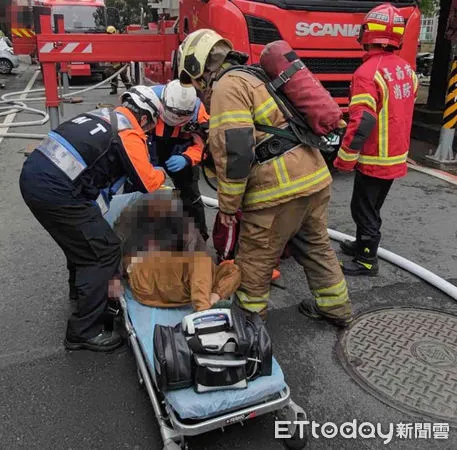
(407,358)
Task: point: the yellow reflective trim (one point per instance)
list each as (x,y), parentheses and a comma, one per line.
(378,161)
(364,99)
(293,187)
(230,116)
(26,33)
(331,300)
(376,27)
(383,118)
(262,112)
(282,164)
(346,156)
(332,295)
(336,288)
(281,171)
(366,265)
(231,188)
(399,30)
(267,104)
(251,303)
(416,82)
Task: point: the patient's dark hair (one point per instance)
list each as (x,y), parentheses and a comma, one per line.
(156,222)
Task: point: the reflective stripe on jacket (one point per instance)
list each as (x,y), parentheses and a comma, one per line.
(377,139)
(240,100)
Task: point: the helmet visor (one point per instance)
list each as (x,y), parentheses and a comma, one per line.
(176,117)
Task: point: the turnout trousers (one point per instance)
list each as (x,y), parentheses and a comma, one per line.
(93,256)
(368,197)
(303,223)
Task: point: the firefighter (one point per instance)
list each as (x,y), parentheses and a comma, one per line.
(280,195)
(114,67)
(177,144)
(67,182)
(377,139)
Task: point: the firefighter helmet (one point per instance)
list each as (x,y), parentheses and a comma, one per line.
(146,100)
(111,30)
(202,50)
(383,25)
(178,103)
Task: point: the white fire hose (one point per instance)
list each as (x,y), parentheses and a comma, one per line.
(403,263)
(14,102)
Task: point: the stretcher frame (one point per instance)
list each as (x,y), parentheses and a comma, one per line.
(174,431)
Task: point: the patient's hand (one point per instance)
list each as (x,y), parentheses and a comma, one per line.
(214,298)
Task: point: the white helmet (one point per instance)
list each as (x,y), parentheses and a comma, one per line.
(178,103)
(146,99)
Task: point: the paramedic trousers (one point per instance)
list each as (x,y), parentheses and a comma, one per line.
(186,181)
(263,236)
(368,197)
(93,256)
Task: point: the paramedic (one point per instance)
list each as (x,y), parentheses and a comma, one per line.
(174,147)
(165,259)
(377,139)
(67,182)
(279,196)
(114,67)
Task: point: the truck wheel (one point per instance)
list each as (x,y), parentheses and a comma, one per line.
(5,66)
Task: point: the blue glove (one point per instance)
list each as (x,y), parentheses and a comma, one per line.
(176,163)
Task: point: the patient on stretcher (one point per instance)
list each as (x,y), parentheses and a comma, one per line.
(165,260)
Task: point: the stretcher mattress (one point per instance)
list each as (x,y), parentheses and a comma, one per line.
(186,402)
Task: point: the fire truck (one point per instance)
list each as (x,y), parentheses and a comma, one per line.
(322,32)
(80,16)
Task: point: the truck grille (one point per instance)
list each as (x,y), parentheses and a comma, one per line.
(332,65)
(261,31)
(337,88)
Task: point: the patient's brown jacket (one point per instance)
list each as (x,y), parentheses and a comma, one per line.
(165,280)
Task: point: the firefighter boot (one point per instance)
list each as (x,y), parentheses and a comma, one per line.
(313,312)
(365,261)
(349,247)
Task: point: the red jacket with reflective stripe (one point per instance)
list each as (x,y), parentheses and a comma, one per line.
(377,138)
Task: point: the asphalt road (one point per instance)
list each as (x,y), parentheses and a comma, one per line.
(53,399)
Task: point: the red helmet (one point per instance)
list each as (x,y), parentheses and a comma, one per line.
(383,25)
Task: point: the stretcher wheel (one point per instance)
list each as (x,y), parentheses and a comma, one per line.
(300,435)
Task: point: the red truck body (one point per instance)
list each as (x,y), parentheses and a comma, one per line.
(322,32)
(80,16)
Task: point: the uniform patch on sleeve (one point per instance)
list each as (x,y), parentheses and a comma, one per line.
(239,144)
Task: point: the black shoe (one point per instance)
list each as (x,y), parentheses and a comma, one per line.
(310,310)
(106,341)
(360,267)
(349,247)
(113,92)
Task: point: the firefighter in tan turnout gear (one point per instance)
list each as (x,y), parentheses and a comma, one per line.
(279,196)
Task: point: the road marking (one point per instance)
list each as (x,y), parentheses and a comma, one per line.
(10,117)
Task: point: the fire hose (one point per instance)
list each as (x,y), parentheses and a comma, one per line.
(405,264)
(17,105)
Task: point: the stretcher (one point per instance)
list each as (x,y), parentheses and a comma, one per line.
(183,412)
